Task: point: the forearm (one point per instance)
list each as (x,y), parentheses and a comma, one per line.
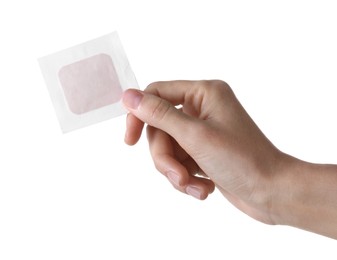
(306,196)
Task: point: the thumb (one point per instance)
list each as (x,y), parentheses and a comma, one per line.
(157,112)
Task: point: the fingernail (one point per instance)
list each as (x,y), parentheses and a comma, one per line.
(193,191)
(132,98)
(174,178)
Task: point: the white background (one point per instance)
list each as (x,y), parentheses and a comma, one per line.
(86,195)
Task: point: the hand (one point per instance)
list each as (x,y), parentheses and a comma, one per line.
(210,141)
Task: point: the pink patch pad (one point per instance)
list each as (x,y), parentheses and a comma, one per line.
(90,83)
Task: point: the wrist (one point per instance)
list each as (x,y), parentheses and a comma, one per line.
(284,190)
(304,196)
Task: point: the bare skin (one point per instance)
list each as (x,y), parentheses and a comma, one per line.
(211,142)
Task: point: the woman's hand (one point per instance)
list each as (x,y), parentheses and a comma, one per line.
(210,141)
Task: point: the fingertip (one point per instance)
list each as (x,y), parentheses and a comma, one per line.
(199,187)
(211,188)
(174,178)
(209,184)
(131,98)
(134,129)
(128,141)
(197,192)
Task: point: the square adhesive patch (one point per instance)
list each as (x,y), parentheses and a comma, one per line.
(86,81)
(90,83)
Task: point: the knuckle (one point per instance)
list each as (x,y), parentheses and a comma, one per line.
(160,110)
(223,86)
(216,85)
(157,163)
(218,90)
(215,89)
(152,88)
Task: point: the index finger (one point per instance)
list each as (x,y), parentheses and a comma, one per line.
(176,92)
